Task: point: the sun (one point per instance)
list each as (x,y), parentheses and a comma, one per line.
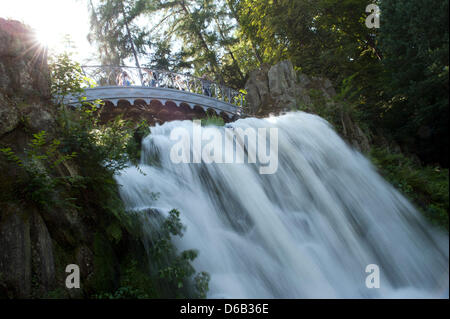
(51,21)
(42,38)
(56,40)
(47,38)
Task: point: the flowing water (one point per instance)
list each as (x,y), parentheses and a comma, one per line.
(307,231)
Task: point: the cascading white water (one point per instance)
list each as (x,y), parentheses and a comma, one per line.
(307,231)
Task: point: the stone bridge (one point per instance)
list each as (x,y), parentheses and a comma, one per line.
(157,95)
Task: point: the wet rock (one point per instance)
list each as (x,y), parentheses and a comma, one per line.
(9,116)
(15,248)
(43,260)
(38,117)
(85,259)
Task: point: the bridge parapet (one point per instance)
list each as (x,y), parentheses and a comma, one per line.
(147,77)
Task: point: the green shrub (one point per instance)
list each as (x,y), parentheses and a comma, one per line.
(39,160)
(66,77)
(168,274)
(134,144)
(177,277)
(426,186)
(212,120)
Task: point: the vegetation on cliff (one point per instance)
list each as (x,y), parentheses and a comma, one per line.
(66,175)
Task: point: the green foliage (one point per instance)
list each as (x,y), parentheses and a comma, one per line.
(76,172)
(165,58)
(426,186)
(102,151)
(205,28)
(134,144)
(202,284)
(395,79)
(134,284)
(414,37)
(115,31)
(104,264)
(11,156)
(114,232)
(212,120)
(175,272)
(323,107)
(326,37)
(171,274)
(67,77)
(57,293)
(38,182)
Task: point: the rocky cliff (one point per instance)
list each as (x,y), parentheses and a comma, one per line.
(24,97)
(37,240)
(24,79)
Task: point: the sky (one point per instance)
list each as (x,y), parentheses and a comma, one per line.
(52,19)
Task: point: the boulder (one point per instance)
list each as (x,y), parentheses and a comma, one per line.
(283,84)
(257,87)
(277,89)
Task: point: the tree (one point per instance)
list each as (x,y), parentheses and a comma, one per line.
(165,59)
(115,32)
(189,20)
(415,43)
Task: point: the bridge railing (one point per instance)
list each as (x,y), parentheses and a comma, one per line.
(133,76)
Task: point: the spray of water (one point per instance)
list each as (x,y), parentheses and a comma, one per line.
(307,231)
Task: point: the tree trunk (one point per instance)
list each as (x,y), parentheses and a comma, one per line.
(131,40)
(236,16)
(229,50)
(201,38)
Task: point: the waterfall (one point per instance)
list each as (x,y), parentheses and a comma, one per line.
(307,231)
